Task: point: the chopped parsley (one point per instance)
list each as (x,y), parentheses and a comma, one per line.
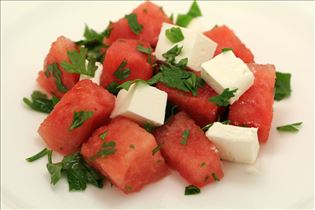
(156,149)
(226,49)
(135,27)
(185,136)
(215,177)
(38,155)
(40,102)
(54,71)
(145,50)
(171,54)
(79,118)
(290,127)
(174,34)
(113,88)
(78,65)
(103,135)
(93,42)
(184,19)
(108,148)
(223,98)
(171,17)
(149,127)
(191,190)
(122,73)
(282,86)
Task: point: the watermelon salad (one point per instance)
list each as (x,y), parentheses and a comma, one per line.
(150,95)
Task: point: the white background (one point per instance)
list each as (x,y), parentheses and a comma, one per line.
(279,33)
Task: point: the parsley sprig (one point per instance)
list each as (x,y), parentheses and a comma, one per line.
(174,34)
(79,118)
(282,86)
(223,98)
(40,102)
(122,73)
(184,19)
(133,23)
(78,65)
(294,127)
(54,71)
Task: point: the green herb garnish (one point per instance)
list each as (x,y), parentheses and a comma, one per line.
(171,54)
(185,136)
(145,50)
(103,135)
(149,127)
(174,34)
(108,148)
(282,86)
(122,73)
(40,102)
(135,27)
(191,190)
(156,149)
(38,155)
(215,177)
(54,170)
(223,98)
(226,50)
(78,65)
(184,19)
(54,71)
(113,88)
(290,127)
(206,127)
(79,118)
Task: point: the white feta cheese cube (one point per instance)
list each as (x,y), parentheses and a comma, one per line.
(227,71)
(196,47)
(97,75)
(141,103)
(236,144)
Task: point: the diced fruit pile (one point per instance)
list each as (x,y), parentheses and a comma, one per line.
(147,95)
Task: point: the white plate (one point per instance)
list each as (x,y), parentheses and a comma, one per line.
(278,33)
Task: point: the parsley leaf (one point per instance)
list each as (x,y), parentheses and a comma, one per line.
(185,136)
(78,65)
(191,190)
(223,98)
(108,148)
(54,71)
(156,149)
(174,34)
(122,72)
(148,127)
(215,177)
(135,27)
(282,86)
(79,118)
(290,127)
(38,155)
(40,102)
(94,42)
(184,19)
(103,135)
(171,54)
(113,88)
(54,170)
(145,50)
(226,50)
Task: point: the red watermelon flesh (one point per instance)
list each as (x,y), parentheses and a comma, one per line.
(149,15)
(198,107)
(137,62)
(84,96)
(226,38)
(254,107)
(57,54)
(132,165)
(197,161)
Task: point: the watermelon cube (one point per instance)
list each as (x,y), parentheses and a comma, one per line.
(198,107)
(186,149)
(131,164)
(85,96)
(254,107)
(57,54)
(123,56)
(149,15)
(226,38)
